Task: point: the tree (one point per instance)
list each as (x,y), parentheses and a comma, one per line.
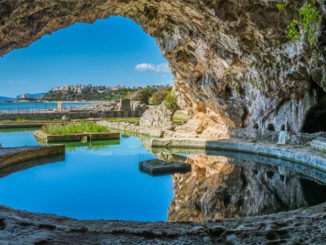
(158,97)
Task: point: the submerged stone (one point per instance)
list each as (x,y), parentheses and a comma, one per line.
(159,167)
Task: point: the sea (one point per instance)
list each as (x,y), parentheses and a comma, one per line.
(14,107)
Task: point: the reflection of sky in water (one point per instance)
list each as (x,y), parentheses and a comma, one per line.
(101,183)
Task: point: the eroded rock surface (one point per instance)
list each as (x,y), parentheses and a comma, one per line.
(232,62)
(157,116)
(299,226)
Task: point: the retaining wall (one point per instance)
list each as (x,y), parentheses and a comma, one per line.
(49,115)
(300,154)
(14,155)
(44,137)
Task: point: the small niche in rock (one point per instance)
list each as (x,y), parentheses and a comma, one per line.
(270,127)
(227,93)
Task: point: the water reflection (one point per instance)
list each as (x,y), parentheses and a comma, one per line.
(219,187)
(90,183)
(93,145)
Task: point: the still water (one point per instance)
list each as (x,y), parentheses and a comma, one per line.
(91,183)
(103,181)
(27,106)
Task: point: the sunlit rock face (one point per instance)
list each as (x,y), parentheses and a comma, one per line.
(217,188)
(232,63)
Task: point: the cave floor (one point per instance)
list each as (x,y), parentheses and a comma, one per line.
(302,226)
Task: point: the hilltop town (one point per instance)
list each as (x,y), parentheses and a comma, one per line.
(90,92)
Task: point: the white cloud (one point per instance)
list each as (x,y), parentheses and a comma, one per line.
(164,67)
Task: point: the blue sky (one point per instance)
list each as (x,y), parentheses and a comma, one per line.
(108,52)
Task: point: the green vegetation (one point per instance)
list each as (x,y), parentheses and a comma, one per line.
(153,162)
(144,94)
(171,101)
(74,128)
(21,120)
(122,119)
(180,117)
(309,21)
(282,5)
(158,97)
(293,32)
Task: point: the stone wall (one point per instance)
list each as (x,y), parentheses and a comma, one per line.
(157,116)
(71,115)
(9,156)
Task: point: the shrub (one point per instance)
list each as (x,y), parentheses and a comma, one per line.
(159,96)
(171,101)
(143,95)
(309,21)
(74,128)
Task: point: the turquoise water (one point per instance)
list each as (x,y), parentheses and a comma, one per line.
(22,106)
(91,183)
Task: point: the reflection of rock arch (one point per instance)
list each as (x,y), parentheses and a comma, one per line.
(218,187)
(211,47)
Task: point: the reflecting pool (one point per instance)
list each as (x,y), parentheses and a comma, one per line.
(103,181)
(91,183)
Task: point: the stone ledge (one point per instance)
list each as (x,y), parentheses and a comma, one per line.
(319,144)
(47,138)
(127,127)
(301,154)
(9,156)
(38,124)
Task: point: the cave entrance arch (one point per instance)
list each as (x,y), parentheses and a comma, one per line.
(113,51)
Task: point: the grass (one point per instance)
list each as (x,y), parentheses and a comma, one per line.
(122,119)
(180,116)
(74,128)
(153,162)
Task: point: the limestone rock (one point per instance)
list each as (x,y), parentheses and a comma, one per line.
(157,116)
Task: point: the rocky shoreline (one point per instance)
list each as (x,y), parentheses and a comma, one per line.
(302,226)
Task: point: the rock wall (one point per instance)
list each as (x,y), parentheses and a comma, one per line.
(232,63)
(157,116)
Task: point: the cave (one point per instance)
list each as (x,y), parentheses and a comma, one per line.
(315,120)
(209,45)
(212,47)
